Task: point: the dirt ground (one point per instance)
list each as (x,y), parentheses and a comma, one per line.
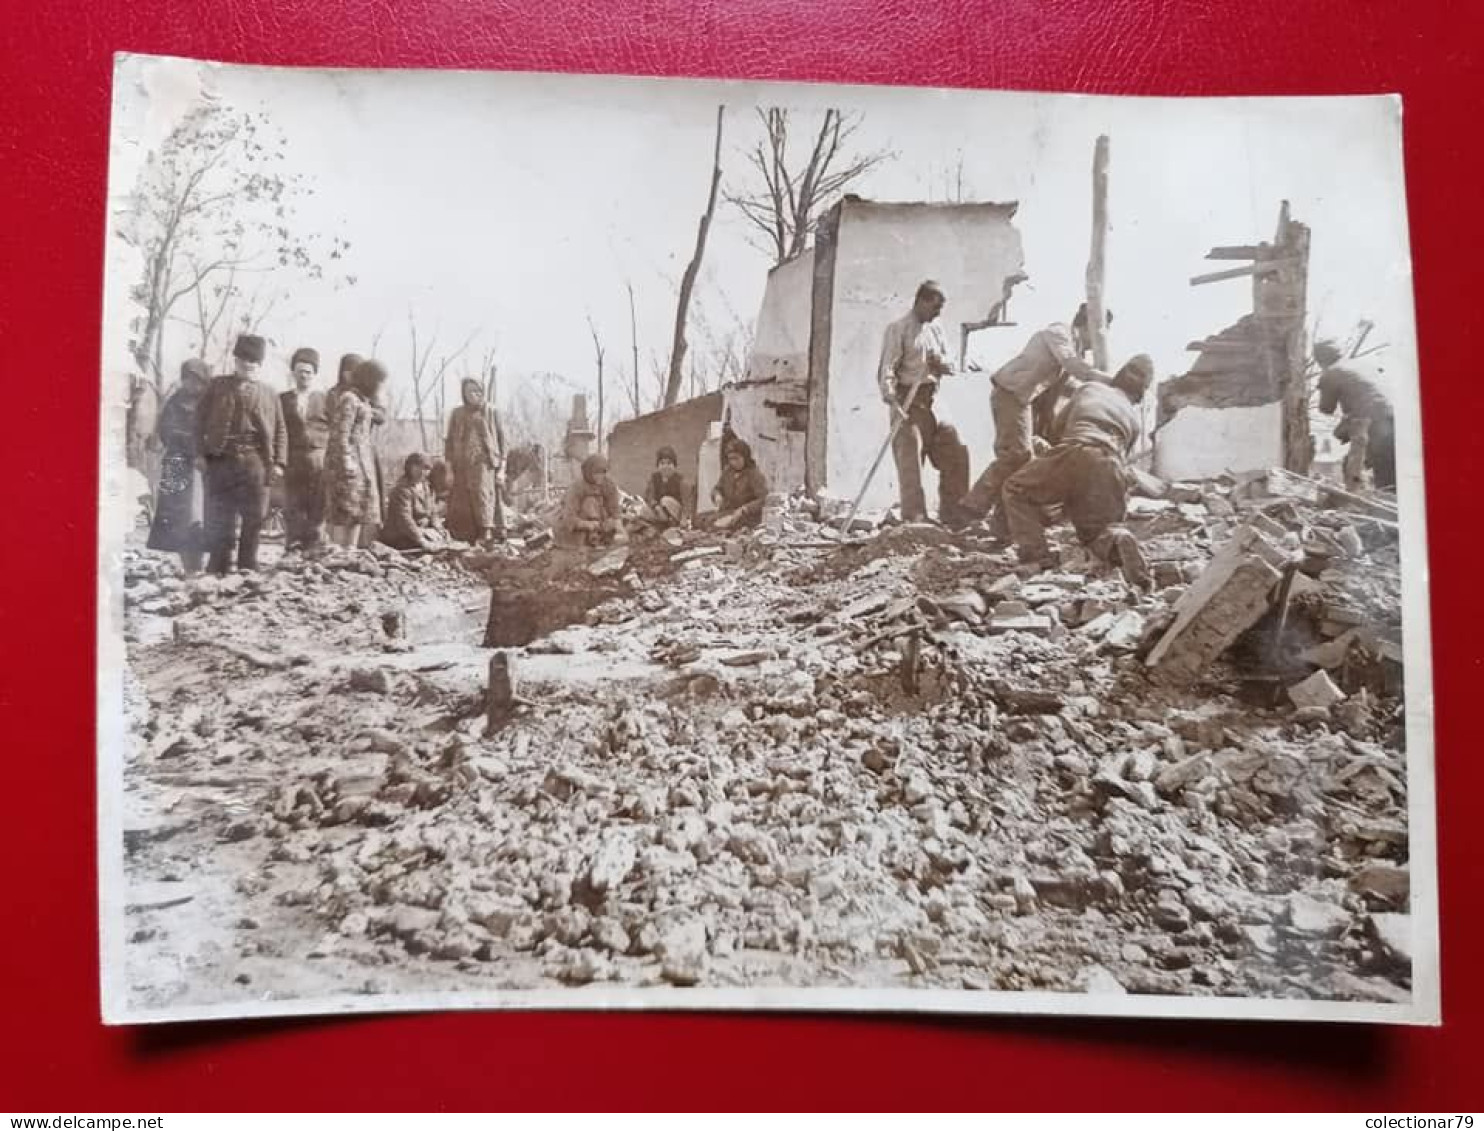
(783,762)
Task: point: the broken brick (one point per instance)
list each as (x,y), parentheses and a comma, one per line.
(1229,597)
(1316,691)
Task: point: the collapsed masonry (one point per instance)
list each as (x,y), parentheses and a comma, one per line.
(1309,587)
(1243,407)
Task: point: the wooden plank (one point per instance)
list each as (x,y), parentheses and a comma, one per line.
(1242,251)
(1266,268)
(1097,326)
(1216,345)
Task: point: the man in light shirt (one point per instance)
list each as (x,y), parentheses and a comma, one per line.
(914,355)
(1050,354)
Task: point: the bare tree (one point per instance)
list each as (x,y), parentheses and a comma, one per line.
(429,376)
(213,205)
(634,344)
(794,194)
(692,269)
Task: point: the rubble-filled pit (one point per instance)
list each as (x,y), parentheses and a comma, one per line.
(765,761)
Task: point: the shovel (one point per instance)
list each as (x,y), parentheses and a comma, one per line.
(896,426)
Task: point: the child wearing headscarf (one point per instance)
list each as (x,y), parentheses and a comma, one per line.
(743,490)
(590,513)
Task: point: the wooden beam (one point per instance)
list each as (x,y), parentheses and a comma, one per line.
(1266,268)
(1097,323)
(1216,345)
(1244,251)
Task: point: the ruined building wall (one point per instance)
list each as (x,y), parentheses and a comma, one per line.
(780,337)
(1243,406)
(683,426)
(868,262)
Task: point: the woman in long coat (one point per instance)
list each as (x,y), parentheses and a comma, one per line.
(353,493)
(176,526)
(474,452)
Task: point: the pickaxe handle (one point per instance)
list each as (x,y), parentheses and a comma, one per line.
(896,426)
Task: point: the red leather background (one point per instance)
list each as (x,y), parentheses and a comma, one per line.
(54,103)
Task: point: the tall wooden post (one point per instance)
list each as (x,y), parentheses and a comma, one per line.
(1097,319)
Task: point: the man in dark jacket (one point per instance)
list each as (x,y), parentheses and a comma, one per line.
(243,448)
(1366,421)
(306,421)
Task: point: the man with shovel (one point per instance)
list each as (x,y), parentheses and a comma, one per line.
(914,355)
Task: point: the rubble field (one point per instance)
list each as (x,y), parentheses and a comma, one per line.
(782,759)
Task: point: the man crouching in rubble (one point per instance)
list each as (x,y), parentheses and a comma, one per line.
(591,514)
(1054,356)
(1085,473)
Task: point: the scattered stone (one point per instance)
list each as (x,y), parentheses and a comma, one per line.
(1309,916)
(1316,691)
(1125,632)
(1381,883)
(610,934)
(686,556)
(375,680)
(1392,933)
(611,863)
(611,563)
(1230,596)
(1169,913)
(682,951)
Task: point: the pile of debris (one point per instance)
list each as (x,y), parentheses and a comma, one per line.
(891,760)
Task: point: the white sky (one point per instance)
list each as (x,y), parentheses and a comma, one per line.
(515,205)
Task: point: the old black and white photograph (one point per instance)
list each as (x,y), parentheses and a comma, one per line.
(598,542)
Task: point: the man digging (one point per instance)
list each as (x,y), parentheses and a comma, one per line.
(1086,473)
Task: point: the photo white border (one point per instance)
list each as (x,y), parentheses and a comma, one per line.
(114,511)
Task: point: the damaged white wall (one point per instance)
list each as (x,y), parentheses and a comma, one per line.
(881,253)
(1203,443)
(776,375)
(780,339)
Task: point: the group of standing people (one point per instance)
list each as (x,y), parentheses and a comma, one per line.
(227,441)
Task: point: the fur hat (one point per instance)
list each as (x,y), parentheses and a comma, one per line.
(304,353)
(368,377)
(250,347)
(666,453)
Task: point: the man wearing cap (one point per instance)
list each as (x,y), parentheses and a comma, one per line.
(243,447)
(914,355)
(1366,420)
(1056,352)
(306,421)
(1085,473)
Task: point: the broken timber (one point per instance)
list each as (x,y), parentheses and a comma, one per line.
(1228,598)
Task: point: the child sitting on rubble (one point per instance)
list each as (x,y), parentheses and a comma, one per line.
(411,519)
(590,513)
(665,494)
(740,495)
